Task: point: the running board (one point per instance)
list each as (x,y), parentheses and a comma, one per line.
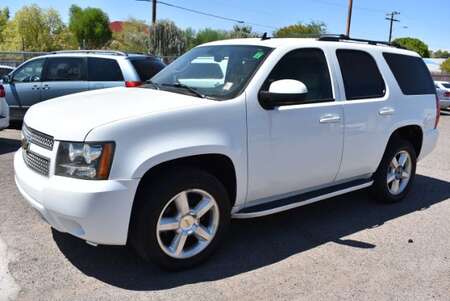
(301,200)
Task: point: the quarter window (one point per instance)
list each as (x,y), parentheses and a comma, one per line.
(411,74)
(65,69)
(362,78)
(104,70)
(309,66)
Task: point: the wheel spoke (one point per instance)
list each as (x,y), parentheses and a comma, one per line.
(405,175)
(394,163)
(168,224)
(202,233)
(391,177)
(395,186)
(182,203)
(203,207)
(402,160)
(177,244)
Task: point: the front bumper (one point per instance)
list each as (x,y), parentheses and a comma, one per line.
(95,211)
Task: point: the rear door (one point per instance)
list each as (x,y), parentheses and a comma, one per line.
(64,76)
(24,89)
(104,73)
(368,109)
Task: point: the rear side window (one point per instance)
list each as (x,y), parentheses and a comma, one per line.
(362,78)
(309,66)
(147,68)
(411,74)
(65,69)
(104,70)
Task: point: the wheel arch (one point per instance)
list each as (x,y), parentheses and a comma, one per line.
(412,133)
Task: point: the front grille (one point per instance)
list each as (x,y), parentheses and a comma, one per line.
(36,162)
(38,138)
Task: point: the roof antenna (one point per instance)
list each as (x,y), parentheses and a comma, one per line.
(265,37)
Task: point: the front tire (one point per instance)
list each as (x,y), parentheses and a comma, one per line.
(395,175)
(180,217)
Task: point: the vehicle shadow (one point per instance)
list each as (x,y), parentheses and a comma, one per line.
(8,145)
(256,243)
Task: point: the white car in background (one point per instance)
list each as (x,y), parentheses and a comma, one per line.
(443,92)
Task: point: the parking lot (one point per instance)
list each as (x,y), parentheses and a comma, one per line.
(341,248)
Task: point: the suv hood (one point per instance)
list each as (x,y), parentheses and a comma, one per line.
(72,117)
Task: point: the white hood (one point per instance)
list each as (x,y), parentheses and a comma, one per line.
(72,117)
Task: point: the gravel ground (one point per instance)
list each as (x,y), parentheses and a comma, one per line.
(342,248)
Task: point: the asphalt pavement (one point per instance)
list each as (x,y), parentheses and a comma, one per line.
(347,247)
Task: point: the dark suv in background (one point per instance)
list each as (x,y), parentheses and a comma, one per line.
(69,72)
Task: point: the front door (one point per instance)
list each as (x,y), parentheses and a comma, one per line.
(297,147)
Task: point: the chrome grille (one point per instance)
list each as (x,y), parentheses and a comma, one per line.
(36,162)
(38,138)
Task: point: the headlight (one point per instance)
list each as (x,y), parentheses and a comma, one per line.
(90,161)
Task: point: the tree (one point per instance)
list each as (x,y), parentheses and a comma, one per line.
(4,17)
(90,27)
(166,39)
(241,31)
(301,30)
(134,37)
(414,45)
(441,54)
(36,29)
(189,37)
(209,35)
(446,66)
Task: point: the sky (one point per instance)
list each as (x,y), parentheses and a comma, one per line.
(426,20)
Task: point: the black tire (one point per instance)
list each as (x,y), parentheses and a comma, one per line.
(380,190)
(152,198)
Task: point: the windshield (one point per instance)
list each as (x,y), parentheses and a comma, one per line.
(219,72)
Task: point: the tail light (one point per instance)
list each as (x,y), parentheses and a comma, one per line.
(438,112)
(447,94)
(2,91)
(132,84)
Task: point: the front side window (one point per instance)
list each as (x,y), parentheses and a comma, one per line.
(362,78)
(219,72)
(308,66)
(411,73)
(65,69)
(30,72)
(104,70)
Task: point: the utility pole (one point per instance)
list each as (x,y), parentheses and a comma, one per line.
(391,17)
(154,12)
(349,17)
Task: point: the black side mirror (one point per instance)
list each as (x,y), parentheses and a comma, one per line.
(283,93)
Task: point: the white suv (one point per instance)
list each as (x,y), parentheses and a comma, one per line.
(165,166)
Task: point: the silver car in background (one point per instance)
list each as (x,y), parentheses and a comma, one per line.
(69,72)
(443,92)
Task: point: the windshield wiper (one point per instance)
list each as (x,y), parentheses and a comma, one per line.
(181,86)
(150,82)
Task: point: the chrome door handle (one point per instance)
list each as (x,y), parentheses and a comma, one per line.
(46,88)
(386,111)
(330,118)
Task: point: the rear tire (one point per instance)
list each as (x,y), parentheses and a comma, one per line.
(180,218)
(396,172)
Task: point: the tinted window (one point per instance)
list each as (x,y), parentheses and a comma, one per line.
(362,79)
(308,66)
(446,86)
(411,74)
(30,72)
(65,69)
(147,68)
(104,70)
(4,71)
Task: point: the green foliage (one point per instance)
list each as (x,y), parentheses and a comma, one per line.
(36,29)
(414,45)
(209,35)
(446,66)
(301,30)
(4,17)
(242,32)
(133,38)
(167,39)
(90,27)
(441,54)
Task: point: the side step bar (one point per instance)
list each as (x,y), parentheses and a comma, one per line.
(301,200)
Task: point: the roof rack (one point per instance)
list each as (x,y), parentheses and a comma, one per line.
(343,37)
(112,52)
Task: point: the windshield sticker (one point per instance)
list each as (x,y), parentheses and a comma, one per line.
(228,86)
(258,55)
